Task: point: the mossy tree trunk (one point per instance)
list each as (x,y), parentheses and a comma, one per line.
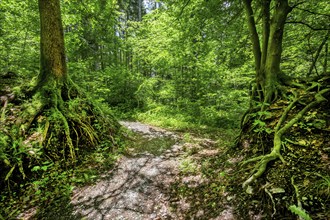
(53,79)
(270,81)
(268,50)
(52,50)
(267,58)
(68,118)
(54,122)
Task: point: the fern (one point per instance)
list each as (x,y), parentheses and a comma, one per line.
(300,212)
(323,185)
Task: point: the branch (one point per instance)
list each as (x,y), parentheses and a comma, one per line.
(253,31)
(318,52)
(308,25)
(184,6)
(298,3)
(313,12)
(265,11)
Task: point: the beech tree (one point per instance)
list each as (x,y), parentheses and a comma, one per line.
(52,50)
(55,119)
(271,84)
(267,51)
(71,117)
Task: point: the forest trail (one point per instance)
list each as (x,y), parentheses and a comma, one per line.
(139,187)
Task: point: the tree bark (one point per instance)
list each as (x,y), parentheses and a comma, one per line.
(274,51)
(52,50)
(267,56)
(140,10)
(253,33)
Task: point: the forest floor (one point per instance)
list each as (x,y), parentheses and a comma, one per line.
(141,184)
(163,175)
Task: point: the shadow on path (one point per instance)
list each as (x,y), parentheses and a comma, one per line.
(137,189)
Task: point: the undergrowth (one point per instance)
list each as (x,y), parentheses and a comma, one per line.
(47,193)
(178,120)
(303,156)
(50,141)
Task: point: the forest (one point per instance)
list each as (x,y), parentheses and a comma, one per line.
(164,109)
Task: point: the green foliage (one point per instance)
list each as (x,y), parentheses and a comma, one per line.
(19,26)
(115,86)
(12,155)
(90,33)
(260,126)
(214,108)
(164,116)
(187,138)
(180,58)
(323,186)
(185,66)
(48,184)
(188,166)
(299,212)
(302,42)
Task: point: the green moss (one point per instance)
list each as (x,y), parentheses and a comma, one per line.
(301,145)
(57,125)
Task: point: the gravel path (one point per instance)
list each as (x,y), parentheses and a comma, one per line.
(139,186)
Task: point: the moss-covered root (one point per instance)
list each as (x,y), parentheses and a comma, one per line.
(67,134)
(65,121)
(261,166)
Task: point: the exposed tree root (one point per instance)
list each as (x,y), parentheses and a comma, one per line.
(261,166)
(296,192)
(272,199)
(58,124)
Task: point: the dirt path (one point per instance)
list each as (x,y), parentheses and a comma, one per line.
(139,187)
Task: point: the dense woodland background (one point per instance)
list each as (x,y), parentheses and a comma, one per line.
(186,65)
(192,55)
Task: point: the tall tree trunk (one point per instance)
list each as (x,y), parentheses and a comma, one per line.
(267,56)
(274,49)
(52,50)
(140,10)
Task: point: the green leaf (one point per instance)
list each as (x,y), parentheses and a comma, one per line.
(300,212)
(6,162)
(222,174)
(37,182)
(269,130)
(35,168)
(10,172)
(259,122)
(277,190)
